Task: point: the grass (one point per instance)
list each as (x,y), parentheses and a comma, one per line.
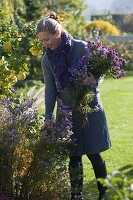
(117,98)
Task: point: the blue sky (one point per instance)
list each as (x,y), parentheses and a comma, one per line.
(109,6)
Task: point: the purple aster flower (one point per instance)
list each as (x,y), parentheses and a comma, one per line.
(102,51)
(13,133)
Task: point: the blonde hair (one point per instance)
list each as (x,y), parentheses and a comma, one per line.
(49,23)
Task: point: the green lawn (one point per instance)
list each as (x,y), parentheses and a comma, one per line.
(117,98)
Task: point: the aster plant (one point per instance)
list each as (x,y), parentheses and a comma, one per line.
(57,132)
(47,176)
(59,129)
(19,128)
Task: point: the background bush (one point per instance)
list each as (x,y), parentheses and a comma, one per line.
(105,27)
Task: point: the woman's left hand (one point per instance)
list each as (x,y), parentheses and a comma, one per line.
(90,80)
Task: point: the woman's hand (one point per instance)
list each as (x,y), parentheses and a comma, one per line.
(90,80)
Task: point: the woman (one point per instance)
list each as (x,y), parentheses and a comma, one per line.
(63,51)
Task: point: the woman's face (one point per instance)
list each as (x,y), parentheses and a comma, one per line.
(49,40)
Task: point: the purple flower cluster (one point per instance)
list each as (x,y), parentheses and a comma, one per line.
(59,129)
(99,59)
(17,121)
(105,61)
(80,70)
(4,196)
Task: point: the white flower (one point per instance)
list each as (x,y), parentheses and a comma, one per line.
(131,186)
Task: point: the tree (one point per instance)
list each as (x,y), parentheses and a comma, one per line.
(18,43)
(8,6)
(33,9)
(74,11)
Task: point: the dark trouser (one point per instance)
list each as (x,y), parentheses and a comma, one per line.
(76,173)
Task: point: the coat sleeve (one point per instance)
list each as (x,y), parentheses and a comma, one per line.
(50,87)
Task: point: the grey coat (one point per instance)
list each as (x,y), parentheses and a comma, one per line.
(94,137)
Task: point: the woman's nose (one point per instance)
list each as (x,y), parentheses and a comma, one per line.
(45,44)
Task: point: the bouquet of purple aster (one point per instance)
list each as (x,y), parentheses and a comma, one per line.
(99,60)
(104,61)
(82,93)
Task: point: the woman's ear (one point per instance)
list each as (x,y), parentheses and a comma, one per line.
(57,34)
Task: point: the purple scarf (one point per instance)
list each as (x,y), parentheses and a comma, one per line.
(59,57)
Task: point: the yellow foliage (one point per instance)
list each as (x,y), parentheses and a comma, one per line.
(5,84)
(7,46)
(25,157)
(8,7)
(105,27)
(35,51)
(21,76)
(63,18)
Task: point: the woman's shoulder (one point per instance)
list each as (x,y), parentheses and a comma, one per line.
(46,65)
(45,60)
(79,47)
(44,57)
(80,43)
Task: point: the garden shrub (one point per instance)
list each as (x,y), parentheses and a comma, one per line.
(47,176)
(19,132)
(125,50)
(119,187)
(104,26)
(32,164)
